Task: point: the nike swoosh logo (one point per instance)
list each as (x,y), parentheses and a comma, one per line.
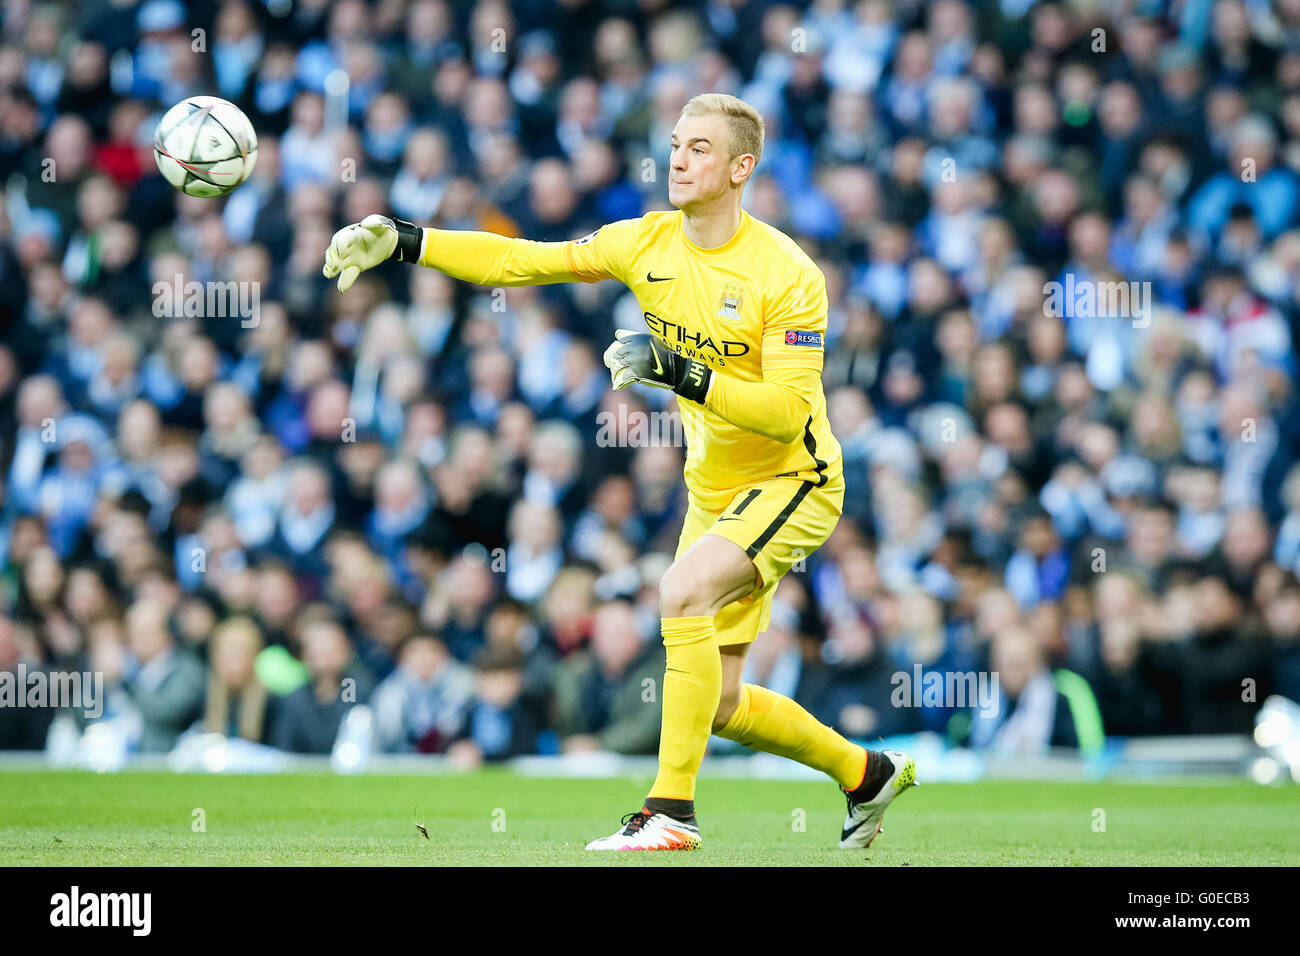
(845,834)
(732,518)
(651,277)
(654,354)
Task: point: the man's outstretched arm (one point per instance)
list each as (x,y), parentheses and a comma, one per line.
(483,258)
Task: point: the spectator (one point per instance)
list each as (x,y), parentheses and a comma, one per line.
(856,690)
(606,697)
(21,728)
(238,703)
(1040,567)
(1029,715)
(423,706)
(165,683)
(310,717)
(505,720)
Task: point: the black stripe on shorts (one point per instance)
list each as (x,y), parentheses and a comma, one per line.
(780,519)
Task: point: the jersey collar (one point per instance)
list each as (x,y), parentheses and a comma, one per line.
(737,237)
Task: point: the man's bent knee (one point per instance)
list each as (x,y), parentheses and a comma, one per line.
(684,593)
(705,579)
(727,705)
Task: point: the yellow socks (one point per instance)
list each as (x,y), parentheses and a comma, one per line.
(692,686)
(764,720)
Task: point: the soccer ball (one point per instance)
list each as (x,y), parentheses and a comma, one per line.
(205,146)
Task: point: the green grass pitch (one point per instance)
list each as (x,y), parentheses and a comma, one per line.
(496,817)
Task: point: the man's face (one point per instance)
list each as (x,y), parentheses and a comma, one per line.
(147,627)
(325,651)
(700,166)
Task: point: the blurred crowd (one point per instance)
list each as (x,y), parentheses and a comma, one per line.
(252,522)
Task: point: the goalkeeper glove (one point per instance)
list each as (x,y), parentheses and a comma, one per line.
(640,357)
(365,244)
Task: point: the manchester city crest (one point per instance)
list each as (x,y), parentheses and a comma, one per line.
(729,302)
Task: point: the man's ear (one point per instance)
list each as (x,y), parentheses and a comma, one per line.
(742,168)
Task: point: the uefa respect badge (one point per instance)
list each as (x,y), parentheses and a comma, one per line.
(803,338)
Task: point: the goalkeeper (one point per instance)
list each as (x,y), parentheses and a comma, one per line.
(736,316)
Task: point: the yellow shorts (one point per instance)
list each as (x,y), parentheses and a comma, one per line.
(779,522)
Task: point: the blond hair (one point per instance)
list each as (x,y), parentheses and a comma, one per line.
(744,123)
(252,704)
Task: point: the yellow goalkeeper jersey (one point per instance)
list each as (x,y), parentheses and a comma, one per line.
(753,309)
